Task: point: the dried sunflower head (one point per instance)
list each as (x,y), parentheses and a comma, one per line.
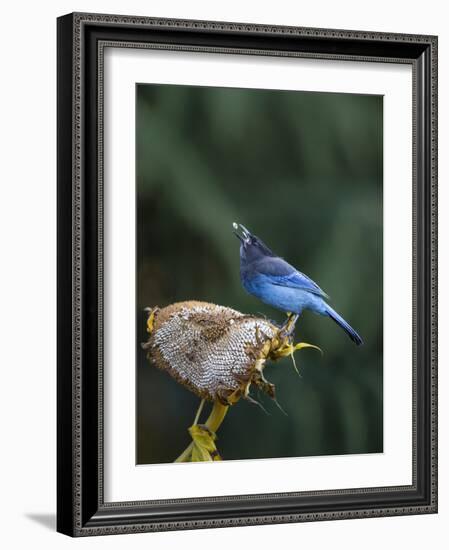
(215,351)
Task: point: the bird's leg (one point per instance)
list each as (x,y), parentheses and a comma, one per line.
(289,326)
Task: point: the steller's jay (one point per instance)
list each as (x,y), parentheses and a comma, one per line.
(276,283)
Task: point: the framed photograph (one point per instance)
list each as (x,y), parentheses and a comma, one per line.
(247,293)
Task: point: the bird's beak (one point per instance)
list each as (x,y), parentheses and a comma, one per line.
(241,232)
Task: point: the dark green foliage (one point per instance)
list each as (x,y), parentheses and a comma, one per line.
(304,172)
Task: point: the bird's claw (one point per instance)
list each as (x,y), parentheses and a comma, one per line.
(288,327)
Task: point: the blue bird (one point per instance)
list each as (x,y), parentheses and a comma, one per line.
(278,284)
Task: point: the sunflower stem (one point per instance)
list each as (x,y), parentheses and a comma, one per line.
(198,412)
(216,416)
(213,422)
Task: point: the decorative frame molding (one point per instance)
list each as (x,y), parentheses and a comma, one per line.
(81,41)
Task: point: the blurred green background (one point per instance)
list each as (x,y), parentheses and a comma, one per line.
(303,171)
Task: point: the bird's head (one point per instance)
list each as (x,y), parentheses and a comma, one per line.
(251,247)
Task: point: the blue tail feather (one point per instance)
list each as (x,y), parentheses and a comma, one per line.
(344,325)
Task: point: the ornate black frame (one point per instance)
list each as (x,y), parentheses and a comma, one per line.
(81,510)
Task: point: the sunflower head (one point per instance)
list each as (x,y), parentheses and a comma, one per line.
(215,351)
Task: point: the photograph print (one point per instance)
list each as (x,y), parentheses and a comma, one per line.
(259,273)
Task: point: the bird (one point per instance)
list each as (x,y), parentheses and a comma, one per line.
(275,282)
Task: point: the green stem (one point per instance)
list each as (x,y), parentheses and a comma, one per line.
(185,455)
(216,416)
(214,421)
(198,412)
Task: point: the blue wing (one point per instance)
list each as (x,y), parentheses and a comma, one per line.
(281,273)
(300,281)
